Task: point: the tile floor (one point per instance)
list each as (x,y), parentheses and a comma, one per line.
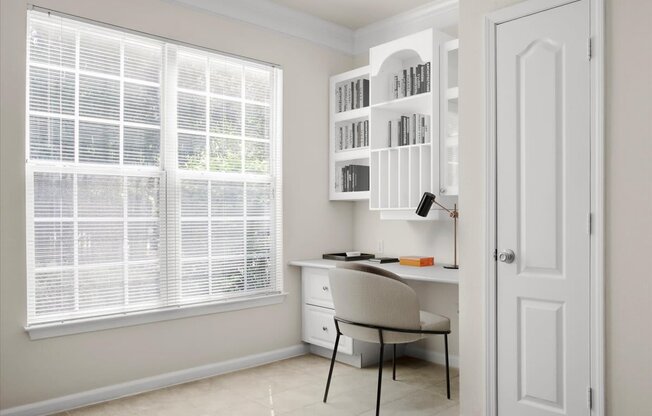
(295,387)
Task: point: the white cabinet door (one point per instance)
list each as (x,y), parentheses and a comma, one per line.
(319,329)
(317,287)
(449,180)
(543,206)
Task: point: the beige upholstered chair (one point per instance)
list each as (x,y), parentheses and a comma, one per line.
(374,305)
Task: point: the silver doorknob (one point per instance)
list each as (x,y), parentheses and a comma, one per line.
(506,256)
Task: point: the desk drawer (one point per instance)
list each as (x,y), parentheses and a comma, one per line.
(317,288)
(319,329)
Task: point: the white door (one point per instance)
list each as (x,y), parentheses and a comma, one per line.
(543,208)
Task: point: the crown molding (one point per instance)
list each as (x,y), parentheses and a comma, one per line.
(279,18)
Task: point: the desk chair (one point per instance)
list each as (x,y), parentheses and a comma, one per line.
(375,305)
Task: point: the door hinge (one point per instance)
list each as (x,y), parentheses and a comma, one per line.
(590,223)
(590,397)
(495,254)
(589,49)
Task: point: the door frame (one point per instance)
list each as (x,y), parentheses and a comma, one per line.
(597,296)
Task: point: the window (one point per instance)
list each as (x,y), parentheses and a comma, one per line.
(153,174)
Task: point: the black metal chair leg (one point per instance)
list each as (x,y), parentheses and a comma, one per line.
(394,363)
(448,379)
(330,372)
(380,371)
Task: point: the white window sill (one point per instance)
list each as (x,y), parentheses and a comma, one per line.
(138,318)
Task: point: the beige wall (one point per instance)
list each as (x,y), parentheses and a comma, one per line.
(628,205)
(37,370)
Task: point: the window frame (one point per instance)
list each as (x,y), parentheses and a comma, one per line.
(170,184)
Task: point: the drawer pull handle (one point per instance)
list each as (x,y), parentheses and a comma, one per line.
(325,329)
(324,288)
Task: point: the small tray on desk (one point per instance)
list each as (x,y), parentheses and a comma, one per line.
(344,257)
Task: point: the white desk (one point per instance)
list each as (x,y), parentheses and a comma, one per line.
(435,274)
(318,327)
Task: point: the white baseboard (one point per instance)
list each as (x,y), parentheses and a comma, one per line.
(432,356)
(142,385)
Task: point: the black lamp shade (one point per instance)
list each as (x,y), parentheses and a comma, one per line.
(426,202)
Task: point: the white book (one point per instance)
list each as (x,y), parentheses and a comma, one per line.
(395,132)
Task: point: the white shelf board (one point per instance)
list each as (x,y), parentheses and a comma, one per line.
(418,103)
(407,146)
(351,115)
(349,196)
(351,154)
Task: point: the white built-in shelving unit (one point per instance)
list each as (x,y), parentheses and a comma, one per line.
(340,158)
(400,174)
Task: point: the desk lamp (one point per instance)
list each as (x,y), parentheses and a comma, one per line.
(424,208)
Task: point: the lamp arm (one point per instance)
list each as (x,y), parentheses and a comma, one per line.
(443,207)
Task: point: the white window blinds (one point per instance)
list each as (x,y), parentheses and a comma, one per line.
(153,173)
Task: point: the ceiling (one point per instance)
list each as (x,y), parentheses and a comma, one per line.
(353,14)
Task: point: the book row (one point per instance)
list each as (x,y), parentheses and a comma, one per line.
(351,95)
(410,81)
(352,136)
(414,129)
(355,178)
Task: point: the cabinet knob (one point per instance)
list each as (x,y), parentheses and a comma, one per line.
(324,328)
(324,288)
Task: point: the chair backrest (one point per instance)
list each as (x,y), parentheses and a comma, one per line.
(373,296)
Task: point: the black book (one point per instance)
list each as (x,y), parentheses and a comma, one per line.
(412,80)
(365,93)
(359,178)
(424,76)
(406,130)
(385,260)
(352,96)
(358,91)
(366,132)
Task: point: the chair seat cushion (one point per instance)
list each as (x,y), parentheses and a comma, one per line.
(433,322)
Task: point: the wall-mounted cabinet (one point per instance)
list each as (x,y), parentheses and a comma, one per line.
(402,140)
(349,136)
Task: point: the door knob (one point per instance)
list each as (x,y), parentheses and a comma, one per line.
(506,256)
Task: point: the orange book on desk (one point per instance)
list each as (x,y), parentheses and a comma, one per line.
(417,261)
